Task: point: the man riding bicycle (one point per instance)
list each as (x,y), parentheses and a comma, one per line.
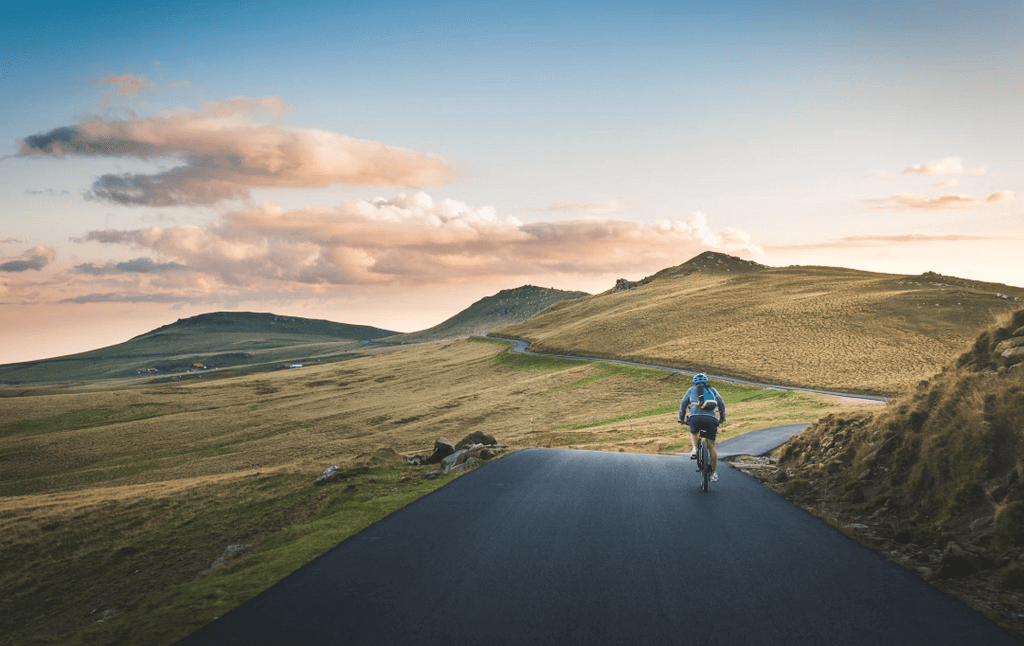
(702,409)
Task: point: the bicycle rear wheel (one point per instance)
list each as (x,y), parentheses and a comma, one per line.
(705,472)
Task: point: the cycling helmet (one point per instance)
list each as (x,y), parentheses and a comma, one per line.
(700,378)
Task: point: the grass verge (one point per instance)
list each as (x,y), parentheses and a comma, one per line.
(129,571)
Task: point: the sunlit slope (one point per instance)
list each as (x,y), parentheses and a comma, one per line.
(214,340)
(504,308)
(822,327)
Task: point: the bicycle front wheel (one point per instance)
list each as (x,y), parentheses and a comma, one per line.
(705,472)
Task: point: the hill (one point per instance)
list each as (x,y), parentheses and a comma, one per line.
(935,480)
(821,327)
(203,342)
(504,308)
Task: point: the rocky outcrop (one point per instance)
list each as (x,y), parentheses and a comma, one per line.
(622,285)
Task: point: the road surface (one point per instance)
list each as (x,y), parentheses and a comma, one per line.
(552,546)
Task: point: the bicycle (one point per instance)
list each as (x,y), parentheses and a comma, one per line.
(703,461)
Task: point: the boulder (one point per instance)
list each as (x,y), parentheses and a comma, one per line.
(222,561)
(957,562)
(476,437)
(1009,344)
(450,461)
(464,466)
(442,449)
(329,475)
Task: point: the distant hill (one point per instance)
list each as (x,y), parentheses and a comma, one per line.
(202,343)
(504,308)
(822,327)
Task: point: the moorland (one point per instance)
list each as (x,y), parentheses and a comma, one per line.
(116,497)
(818,327)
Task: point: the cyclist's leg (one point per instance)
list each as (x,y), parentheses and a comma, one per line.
(712,438)
(714,454)
(693,441)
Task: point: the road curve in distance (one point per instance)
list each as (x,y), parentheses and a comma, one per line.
(522,347)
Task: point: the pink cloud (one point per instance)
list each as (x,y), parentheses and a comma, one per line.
(610,206)
(224,153)
(34,259)
(900,240)
(407,241)
(943,203)
(944,166)
(127,85)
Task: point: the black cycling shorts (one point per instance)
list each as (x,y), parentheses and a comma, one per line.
(705,423)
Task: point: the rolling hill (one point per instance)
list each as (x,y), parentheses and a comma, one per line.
(823,327)
(246,341)
(504,308)
(203,342)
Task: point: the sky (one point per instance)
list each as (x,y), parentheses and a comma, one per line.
(389,164)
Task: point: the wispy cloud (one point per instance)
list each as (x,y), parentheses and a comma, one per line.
(127,85)
(905,239)
(610,206)
(225,153)
(944,166)
(13,241)
(34,259)
(137,266)
(948,183)
(412,240)
(942,203)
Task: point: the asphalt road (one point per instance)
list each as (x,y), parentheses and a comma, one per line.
(551,546)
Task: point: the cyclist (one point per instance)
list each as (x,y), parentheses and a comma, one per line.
(702,409)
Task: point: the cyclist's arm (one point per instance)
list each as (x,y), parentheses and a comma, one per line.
(721,407)
(683,407)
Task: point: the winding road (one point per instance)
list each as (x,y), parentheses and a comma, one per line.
(522,347)
(554,546)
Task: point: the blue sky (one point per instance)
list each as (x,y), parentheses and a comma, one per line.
(561,146)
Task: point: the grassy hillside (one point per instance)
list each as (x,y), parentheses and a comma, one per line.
(504,308)
(935,480)
(117,499)
(214,340)
(822,327)
(209,344)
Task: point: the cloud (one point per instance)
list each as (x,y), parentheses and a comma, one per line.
(125,85)
(34,259)
(414,240)
(610,206)
(13,241)
(944,166)
(224,153)
(906,239)
(137,266)
(45,191)
(948,183)
(943,203)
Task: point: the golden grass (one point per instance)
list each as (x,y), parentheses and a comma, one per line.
(313,416)
(95,486)
(818,327)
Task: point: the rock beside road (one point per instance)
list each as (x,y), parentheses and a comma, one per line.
(470,450)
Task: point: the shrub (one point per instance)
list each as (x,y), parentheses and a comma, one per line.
(1010,525)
